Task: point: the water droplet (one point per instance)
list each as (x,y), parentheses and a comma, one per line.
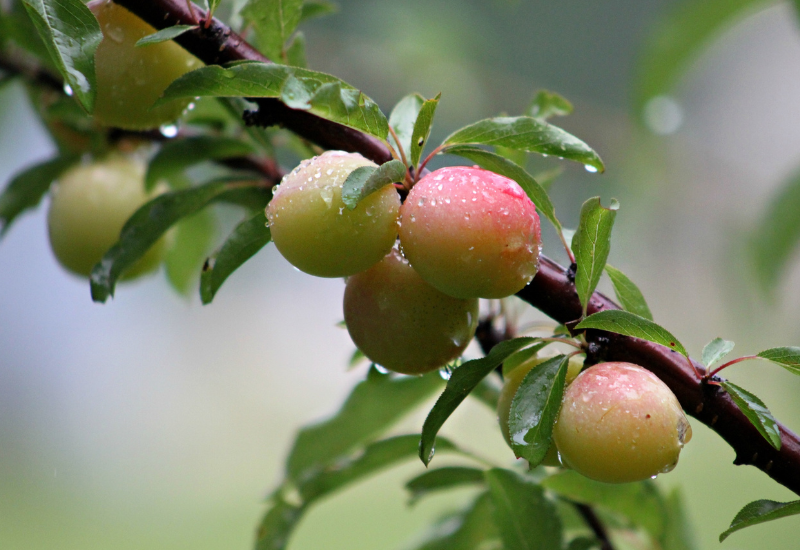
(590,168)
(380,369)
(445,373)
(68,90)
(326,194)
(168,130)
(115,33)
(663,115)
(654,477)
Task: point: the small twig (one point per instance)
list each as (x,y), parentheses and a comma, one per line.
(429,157)
(593,521)
(728,364)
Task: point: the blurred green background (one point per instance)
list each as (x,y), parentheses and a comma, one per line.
(153,422)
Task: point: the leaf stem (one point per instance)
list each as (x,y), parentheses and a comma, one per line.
(570,255)
(593,521)
(428,158)
(728,364)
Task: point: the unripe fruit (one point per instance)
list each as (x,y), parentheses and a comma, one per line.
(88,207)
(512,382)
(471,233)
(317,233)
(401,322)
(620,423)
(131,79)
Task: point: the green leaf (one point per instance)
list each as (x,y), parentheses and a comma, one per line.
(524,516)
(402,120)
(756,412)
(274,22)
(678,532)
(628,294)
(591,245)
(487,393)
(788,358)
(191,242)
(296,51)
(583,543)
(148,224)
(372,407)
(374,457)
(629,324)
(715,350)
(443,478)
(516,359)
(761,511)
(422,129)
(777,235)
(318,93)
(365,180)
(249,237)
(277,525)
(212,6)
(26,188)
(18,27)
(535,407)
(547,177)
(639,502)
(177,155)
(505,167)
(317,8)
(164,35)
(678,40)
(71,34)
(527,134)
(546,104)
(470,529)
(461,383)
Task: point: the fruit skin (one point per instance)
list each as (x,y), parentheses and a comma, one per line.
(317,233)
(511,383)
(401,322)
(88,207)
(471,233)
(620,423)
(130,79)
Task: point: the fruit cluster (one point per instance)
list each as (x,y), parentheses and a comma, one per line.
(464,233)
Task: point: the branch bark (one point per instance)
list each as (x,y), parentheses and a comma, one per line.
(551,291)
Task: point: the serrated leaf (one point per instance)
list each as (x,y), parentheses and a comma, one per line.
(317,8)
(548,177)
(546,104)
(461,383)
(212,6)
(277,525)
(422,129)
(715,350)
(274,21)
(487,393)
(628,294)
(18,27)
(787,357)
(756,412)
(375,456)
(249,237)
(639,502)
(678,40)
(402,120)
(525,518)
(535,407)
(527,134)
(443,478)
(678,531)
(761,511)
(190,244)
(318,93)
(296,51)
(373,406)
(518,358)
(777,235)
(630,324)
(365,180)
(470,529)
(71,34)
(164,35)
(591,245)
(503,166)
(177,155)
(26,188)
(148,224)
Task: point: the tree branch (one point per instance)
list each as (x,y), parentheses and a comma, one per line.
(551,291)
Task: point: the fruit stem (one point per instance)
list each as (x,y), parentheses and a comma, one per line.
(570,255)
(728,364)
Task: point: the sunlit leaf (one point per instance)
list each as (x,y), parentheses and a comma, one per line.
(630,324)
(422,129)
(164,35)
(440,479)
(249,237)
(71,34)
(527,134)
(402,120)
(274,21)
(761,511)
(715,350)
(546,104)
(591,245)
(756,412)
(787,357)
(365,180)
(628,294)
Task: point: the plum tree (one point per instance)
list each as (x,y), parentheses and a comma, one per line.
(401,322)
(89,205)
(315,232)
(471,233)
(131,79)
(620,423)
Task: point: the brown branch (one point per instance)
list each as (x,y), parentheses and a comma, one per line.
(552,291)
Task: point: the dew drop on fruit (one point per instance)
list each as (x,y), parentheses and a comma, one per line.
(115,33)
